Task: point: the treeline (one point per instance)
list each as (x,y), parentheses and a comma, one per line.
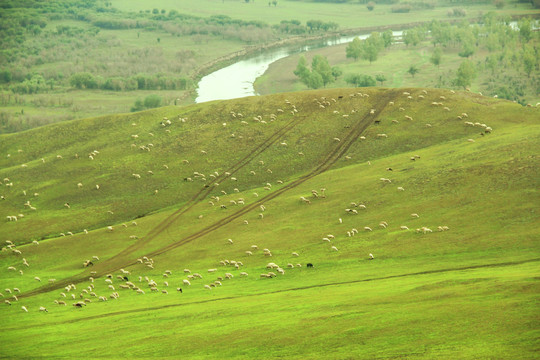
(512,52)
(137,82)
(295,27)
(37,84)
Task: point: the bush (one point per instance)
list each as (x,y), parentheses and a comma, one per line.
(5,76)
(152,101)
(370,6)
(149,102)
(402,8)
(457,12)
(83,81)
(360,80)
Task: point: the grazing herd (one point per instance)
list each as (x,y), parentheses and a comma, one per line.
(112,286)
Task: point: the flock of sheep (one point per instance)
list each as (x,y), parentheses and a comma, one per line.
(139,282)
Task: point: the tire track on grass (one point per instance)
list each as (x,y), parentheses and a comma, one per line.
(331,158)
(205,191)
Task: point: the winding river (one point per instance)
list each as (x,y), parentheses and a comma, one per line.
(236,80)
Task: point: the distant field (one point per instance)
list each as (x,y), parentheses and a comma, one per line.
(347,15)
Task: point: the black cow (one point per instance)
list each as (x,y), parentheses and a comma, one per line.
(309,265)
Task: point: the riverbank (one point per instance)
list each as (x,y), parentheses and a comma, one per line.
(507,79)
(251,51)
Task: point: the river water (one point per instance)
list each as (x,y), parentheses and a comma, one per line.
(236,80)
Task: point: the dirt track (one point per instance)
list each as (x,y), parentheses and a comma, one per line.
(119,261)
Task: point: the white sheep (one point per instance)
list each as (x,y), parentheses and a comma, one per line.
(42,308)
(24,308)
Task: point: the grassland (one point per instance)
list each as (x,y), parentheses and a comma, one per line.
(347,14)
(469,292)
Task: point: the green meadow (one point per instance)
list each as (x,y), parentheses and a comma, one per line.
(348,14)
(445,198)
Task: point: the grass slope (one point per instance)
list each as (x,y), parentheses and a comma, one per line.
(468,292)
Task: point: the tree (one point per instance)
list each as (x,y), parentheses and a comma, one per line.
(465,74)
(149,102)
(152,101)
(314,80)
(467,49)
(302,70)
(491,63)
(413,70)
(370,6)
(525,29)
(436,57)
(83,81)
(372,46)
(360,80)
(354,49)
(314,24)
(388,38)
(336,72)
(138,106)
(529,60)
(5,76)
(321,66)
(320,74)
(370,53)
(380,78)
(411,37)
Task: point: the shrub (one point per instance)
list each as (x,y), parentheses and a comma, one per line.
(360,80)
(401,8)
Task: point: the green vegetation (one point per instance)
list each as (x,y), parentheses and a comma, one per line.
(491,58)
(360,80)
(150,102)
(320,74)
(131,48)
(468,292)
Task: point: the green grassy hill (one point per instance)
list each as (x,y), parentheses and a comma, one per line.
(457,280)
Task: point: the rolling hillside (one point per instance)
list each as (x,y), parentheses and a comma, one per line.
(441,188)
